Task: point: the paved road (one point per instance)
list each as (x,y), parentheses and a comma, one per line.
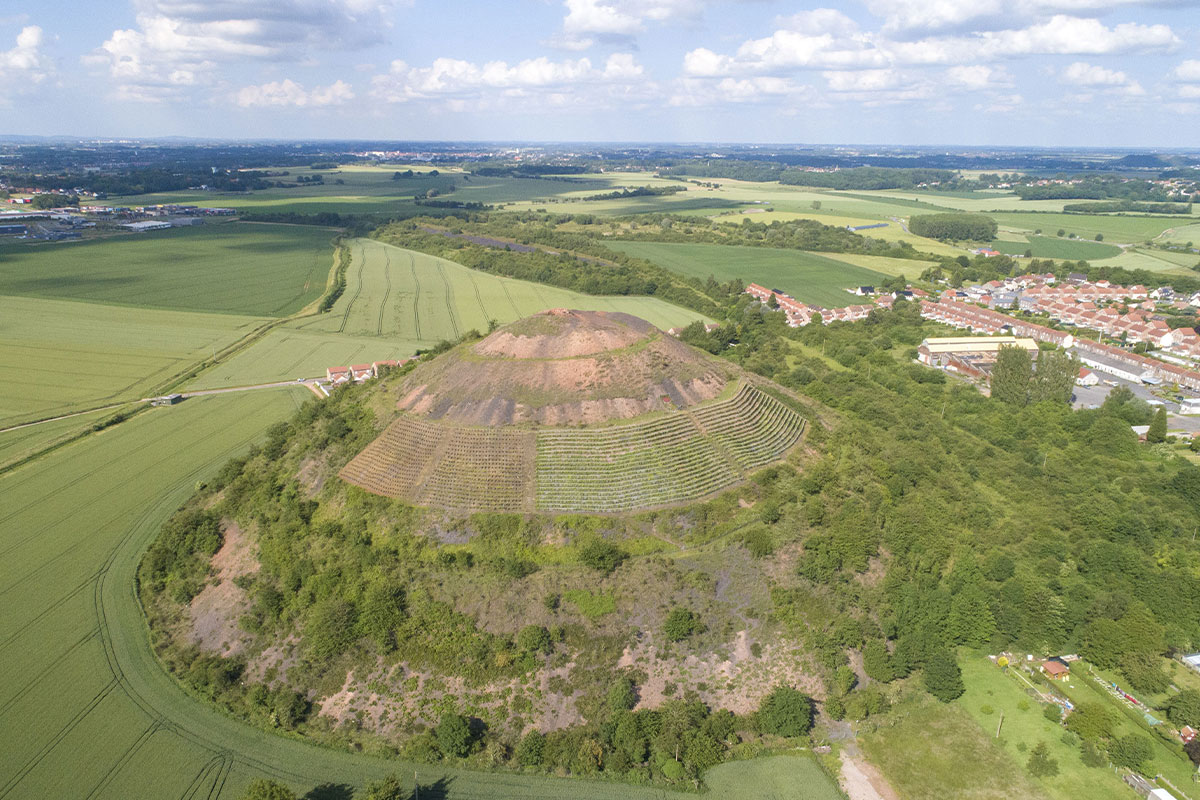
(1087,396)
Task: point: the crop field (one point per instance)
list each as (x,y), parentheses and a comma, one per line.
(397,301)
(1182,233)
(1127,230)
(1056,247)
(894,267)
(1153,260)
(808,277)
(85,708)
(236,268)
(17,443)
(60,356)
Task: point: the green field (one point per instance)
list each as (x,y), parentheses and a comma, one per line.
(795,777)
(988,687)
(238,268)
(1126,230)
(85,709)
(925,749)
(397,301)
(1056,247)
(808,277)
(17,443)
(61,356)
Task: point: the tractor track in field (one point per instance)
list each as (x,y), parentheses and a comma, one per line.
(511,302)
(24,690)
(216,770)
(362,261)
(479,298)
(387,280)
(449,305)
(412,265)
(125,758)
(37,758)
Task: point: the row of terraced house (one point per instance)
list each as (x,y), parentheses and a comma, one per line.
(1097,355)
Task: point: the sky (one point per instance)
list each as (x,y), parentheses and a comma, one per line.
(1073,73)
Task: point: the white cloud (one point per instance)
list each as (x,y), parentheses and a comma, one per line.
(289,93)
(1189,92)
(180,42)
(1095,77)
(449,78)
(1063,35)
(25,61)
(866,80)
(619,19)
(915,17)
(826,39)
(975,77)
(1188,71)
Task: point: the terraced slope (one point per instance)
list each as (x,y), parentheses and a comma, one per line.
(678,458)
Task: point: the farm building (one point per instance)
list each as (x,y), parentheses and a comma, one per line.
(1086,377)
(1192,660)
(338,375)
(1055,670)
(379,366)
(13,230)
(360,372)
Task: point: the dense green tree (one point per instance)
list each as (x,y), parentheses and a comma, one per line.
(382,612)
(1011,375)
(1040,763)
(390,788)
(534,639)
(602,555)
(942,676)
(263,789)
(1054,378)
(956,227)
(680,624)
(1132,750)
(877,663)
(785,712)
(329,629)
(1158,427)
(622,695)
(454,737)
(530,750)
(1184,708)
(970,621)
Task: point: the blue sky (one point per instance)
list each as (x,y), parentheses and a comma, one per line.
(983,72)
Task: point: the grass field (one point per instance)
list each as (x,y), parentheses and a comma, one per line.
(397,301)
(988,687)
(237,268)
(17,443)
(808,277)
(796,777)
(1131,229)
(59,356)
(1153,260)
(894,267)
(931,751)
(1183,233)
(1056,247)
(85,709)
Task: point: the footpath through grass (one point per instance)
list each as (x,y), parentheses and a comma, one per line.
(85,709)
(808,277)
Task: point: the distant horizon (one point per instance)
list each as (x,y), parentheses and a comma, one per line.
(1057,73)
(264,140)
